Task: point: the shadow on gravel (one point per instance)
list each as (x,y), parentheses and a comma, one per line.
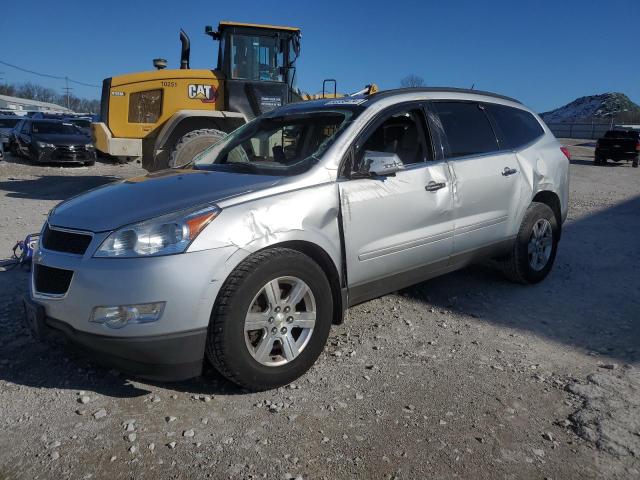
(53,187)
(590,162)
(591,299)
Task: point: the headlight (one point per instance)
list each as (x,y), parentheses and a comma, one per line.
(90,146)
(164,235)
(45,145)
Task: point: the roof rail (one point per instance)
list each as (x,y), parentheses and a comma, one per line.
(396,91)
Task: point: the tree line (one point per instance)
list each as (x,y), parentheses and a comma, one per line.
(32,91)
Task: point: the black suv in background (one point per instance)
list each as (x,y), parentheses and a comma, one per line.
(53,141)
(618,145)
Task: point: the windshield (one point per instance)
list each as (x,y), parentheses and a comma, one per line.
(277,145)
(256,58)
(8,122)
(53,128)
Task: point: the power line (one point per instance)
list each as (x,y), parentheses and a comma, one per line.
(48,75)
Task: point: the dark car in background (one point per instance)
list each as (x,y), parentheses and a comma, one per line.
(618,145)
(7,124)
(53,141)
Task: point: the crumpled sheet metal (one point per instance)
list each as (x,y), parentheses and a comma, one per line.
(307,214)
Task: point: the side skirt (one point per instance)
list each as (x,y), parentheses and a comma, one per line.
(391,283)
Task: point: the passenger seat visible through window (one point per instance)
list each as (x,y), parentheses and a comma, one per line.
(399,134)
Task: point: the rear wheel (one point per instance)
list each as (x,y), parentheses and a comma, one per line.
(271,320)
(193,143)
(535,246)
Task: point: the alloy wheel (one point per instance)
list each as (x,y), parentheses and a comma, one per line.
(280,321)
(540,244)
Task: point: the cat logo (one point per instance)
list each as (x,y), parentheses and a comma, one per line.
(204,93)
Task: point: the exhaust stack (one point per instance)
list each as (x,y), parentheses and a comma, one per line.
(185,50)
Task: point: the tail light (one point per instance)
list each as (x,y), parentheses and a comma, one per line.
(565,150)
(638,146)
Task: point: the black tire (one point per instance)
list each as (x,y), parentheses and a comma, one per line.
(226,348)
(596,160)
(193,143)
(90,163)
(516,265)
(635,163)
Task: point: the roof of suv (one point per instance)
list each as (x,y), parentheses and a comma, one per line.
(398,91)
(369,100)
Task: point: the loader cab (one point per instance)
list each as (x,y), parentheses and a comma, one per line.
(258,63)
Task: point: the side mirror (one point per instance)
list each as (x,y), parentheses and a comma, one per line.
(381,163)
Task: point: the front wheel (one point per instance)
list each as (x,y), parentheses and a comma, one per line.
(271,319)
(534,249)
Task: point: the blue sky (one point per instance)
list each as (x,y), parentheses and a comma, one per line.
(544,52)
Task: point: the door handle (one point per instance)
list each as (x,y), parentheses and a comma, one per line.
(508,171)
(434,186)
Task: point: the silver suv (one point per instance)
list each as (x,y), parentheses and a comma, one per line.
(248,255)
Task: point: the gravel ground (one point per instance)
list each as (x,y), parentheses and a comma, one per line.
(465,376)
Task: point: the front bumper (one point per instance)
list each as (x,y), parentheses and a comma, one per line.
(117,147)
(65,154)
(161,357)
(170,348)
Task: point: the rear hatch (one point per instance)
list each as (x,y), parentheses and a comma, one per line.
(619,142)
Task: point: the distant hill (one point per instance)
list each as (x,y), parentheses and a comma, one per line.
(598,108)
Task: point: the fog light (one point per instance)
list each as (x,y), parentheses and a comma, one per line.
(123,315)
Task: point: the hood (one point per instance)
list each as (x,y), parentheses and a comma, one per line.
(61,139)
(136,199)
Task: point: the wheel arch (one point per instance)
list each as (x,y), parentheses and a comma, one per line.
(313,251)
(323,259)
(552,200)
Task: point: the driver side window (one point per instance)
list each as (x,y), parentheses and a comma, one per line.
(402,133)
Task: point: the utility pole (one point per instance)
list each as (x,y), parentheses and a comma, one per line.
(67,89)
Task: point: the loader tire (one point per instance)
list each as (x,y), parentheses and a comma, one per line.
(193,143)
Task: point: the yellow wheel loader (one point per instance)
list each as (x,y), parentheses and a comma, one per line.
(165,117)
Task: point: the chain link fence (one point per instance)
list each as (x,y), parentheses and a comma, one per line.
(585,130)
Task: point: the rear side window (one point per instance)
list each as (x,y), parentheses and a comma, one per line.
(517,126)
(467,128)
(621,134)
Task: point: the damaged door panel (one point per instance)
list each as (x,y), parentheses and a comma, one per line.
(394,224)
